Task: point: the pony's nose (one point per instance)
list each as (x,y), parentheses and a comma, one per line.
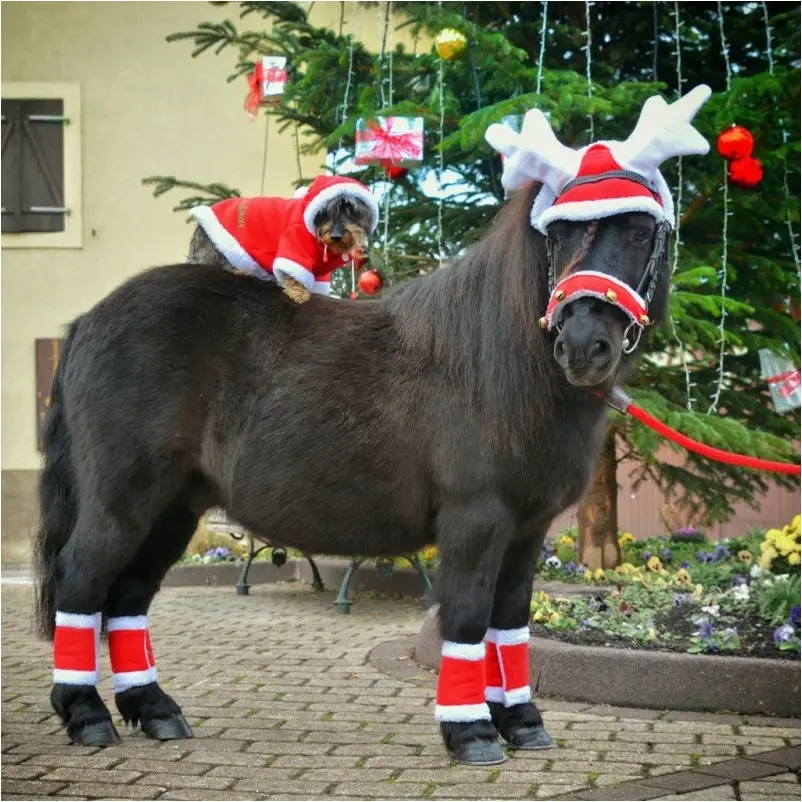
(582,345)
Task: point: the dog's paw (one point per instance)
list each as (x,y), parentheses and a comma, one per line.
(295,291)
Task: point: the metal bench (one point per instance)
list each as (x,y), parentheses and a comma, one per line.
(218,521)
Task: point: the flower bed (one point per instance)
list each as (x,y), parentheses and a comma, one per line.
(682,593)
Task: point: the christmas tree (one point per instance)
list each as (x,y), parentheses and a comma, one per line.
(589,66)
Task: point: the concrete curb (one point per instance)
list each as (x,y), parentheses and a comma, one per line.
(639,678)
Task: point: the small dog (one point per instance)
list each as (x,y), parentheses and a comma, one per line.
(297,242)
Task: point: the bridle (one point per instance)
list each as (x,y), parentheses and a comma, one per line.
(588,283)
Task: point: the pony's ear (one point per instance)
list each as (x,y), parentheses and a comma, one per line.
(664,130)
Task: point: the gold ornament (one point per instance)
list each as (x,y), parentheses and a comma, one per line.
(450,44)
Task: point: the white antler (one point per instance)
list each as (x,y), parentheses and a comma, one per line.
(663,131)
(533,155)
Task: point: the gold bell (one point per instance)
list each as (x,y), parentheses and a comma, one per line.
(611,295)
(543,323)
(644,320)
(559,295)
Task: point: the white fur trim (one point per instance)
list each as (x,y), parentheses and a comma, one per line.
(65,676)
(286,268)
(462,713)
(597,209)
(517,696)
(78,620)
(127,622)
(508,637)
(463,651)
(321,287)
(300,192)
(237,256)
(493,694)
(124,680)
(337,191)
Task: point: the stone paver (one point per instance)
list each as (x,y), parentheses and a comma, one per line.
(288,703)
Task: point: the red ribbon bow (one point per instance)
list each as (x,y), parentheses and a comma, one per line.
(391,148)
(789,382)
(256,80)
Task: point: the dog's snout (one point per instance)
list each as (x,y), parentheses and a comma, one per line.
(337,231)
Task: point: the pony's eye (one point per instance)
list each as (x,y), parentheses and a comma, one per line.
(642,235)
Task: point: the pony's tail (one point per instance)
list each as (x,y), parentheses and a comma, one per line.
(58,502)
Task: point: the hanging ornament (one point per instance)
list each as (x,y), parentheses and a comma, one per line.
(395,173)
(735,143)
(450,44)
(783,378)
(746,172)
(370,282)
(266,83)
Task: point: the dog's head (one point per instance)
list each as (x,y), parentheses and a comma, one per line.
(343,224)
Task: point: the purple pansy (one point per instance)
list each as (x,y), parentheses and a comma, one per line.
(794,616)
(783,634)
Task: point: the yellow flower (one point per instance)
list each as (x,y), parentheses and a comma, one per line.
(794,558)
(697,592)
(745,556)
(599,574)
(625,568)
(542,597)
(682,577)
(654,564)
(626,537)
(538,616)
(430,552)
(795,523)
(565,540)
(766,558)
(554,618)
(588,575)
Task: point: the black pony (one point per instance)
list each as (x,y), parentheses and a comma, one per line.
(188,387)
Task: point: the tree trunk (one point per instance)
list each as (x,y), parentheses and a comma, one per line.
(598,511)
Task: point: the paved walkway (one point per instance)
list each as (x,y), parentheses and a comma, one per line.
(287,704)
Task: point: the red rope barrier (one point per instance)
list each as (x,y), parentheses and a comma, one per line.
(717,454)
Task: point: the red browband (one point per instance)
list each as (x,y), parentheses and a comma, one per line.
(589,284)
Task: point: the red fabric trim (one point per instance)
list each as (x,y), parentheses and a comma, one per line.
(515,660)
(607,189)
(493,667)
(130,650)
(461,682)
(74,649)
(581,284)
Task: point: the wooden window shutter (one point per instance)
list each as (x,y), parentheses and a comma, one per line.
(33,165)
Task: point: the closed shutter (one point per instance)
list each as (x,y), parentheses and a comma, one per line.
(33,165)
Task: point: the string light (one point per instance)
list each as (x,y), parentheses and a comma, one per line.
(545,12)
(714,403)
(587,63)
(440,155)
(786,189)
(678,212)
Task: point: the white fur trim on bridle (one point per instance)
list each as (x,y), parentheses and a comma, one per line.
(462,713)
(286,268)
(463,651)
(236,255)
(338,191)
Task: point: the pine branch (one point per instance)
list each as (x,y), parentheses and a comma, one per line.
(210,192)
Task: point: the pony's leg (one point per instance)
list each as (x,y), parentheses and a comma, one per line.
(99,547)
(509,694)
(472,539)
(138,696)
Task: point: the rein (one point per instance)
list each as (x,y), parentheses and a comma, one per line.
(621,402)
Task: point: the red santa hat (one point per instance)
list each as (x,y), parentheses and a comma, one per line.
(325,188)
(605,178)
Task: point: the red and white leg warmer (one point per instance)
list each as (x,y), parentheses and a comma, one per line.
(132,661)
(76,646)
(508,666)
(461,683)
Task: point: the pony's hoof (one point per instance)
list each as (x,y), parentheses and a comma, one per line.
(478,753)
(529,739)
(173,728)
(99,733)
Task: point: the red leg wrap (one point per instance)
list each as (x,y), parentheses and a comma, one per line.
(132,661)
(512,648)
(461,683)
(75,649)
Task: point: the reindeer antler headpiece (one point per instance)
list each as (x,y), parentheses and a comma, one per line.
(605,178)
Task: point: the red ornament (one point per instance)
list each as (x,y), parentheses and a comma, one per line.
(746,172)
(735,143)
(370,282)
(354,296)
(395,173)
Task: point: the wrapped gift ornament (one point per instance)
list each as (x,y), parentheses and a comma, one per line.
(783,378)
(266,83)
(390,141)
